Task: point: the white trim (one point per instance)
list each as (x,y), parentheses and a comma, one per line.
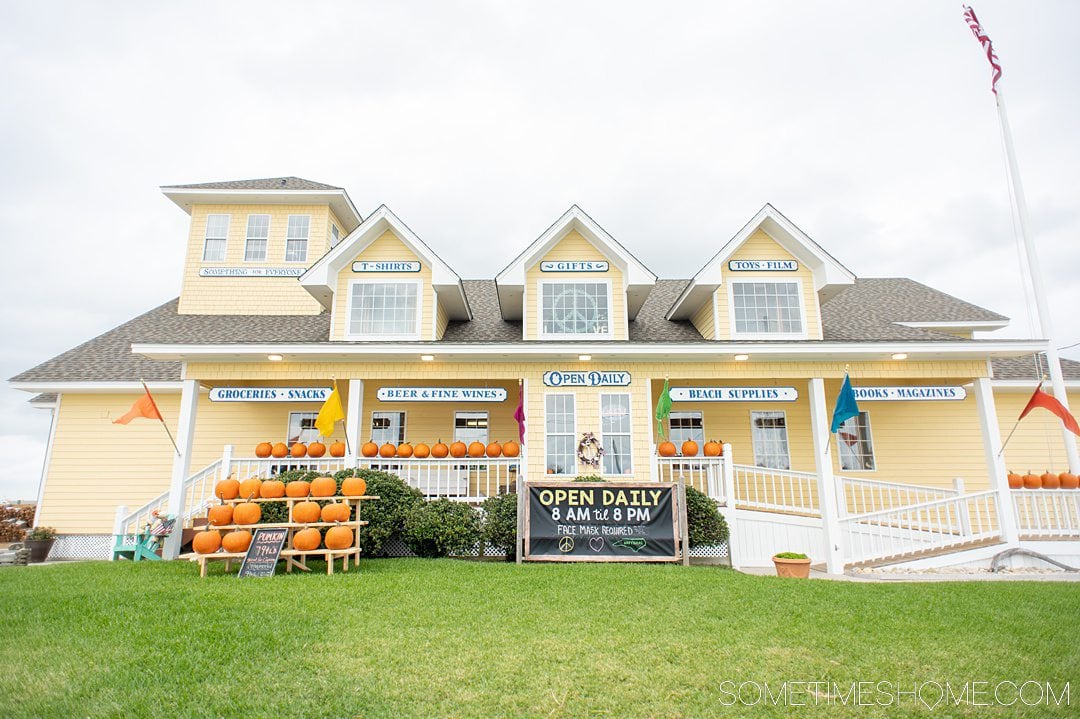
(247,226)
(753,444)
(207,238)
(96,387)
(403,435)
(716,315)
(288,422)
(540,334)
(629,433)
(573,434)
(307,240)
(348,334)
(972,325)
(53,420)
(736,335)
(1027,384)
(186,197)
(475,412)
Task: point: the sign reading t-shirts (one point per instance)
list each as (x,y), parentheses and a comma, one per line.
(596,378)
(269,394)
(386,266)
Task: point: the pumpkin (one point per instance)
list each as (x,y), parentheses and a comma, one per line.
(250,488)
(1050,480)
(306,540)
(297,488)
(1068,480)
(263,450)
(1016,481)
(272,489)
(550,470)
(279,450)
(421,451)
(458,450)
(666,449)
(1032,481)
(316,449)
(387,450)
(237,541)
(206,542)
(247,513)
(689,448)
(339,537)
(511,449)
(306,512)
(227,489)
(298,450)
(336,512)
(353,486)
(477,449)
(220,515)
(494,450)
(404,450)
(439,450)
(713,448)
(337,449)
(370,449)
(323,487)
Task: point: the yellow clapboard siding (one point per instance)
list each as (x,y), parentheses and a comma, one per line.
(705,318)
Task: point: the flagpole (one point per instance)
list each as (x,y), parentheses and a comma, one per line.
(344,426)
(160,416)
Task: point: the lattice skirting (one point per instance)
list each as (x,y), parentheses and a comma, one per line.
(82,546)
(712,550)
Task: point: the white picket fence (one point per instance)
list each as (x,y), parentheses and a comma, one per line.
(1042,513)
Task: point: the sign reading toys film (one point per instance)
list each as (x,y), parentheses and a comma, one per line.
(269,394)
(904,394)
(763,265)
(602,521)
(441,394)
(386,266)
(263,552)
(555,378)
(251,271)
(734,394)
(574,266)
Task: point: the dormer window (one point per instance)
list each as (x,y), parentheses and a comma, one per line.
(767,309)
(217,238)
(296,239)
(381,310)
(575,309)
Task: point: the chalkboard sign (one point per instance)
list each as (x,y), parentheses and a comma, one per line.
(602,521)
(263,552)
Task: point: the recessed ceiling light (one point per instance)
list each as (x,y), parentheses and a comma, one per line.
(427,358)
(274,358)
(741,358)
(899,356)
(584,358)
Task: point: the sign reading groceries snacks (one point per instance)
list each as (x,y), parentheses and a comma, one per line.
(900,394)
(734,394)
(269,394)
(441,394)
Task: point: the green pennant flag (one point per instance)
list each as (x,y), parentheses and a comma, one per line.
(663,409)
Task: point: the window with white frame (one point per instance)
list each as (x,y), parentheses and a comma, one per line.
(296,238)
(217,238)
(258,234)
(686,425)
(384,309)
(615,433)
(335,236)
(855,444)
(302,427)
(768,430)
(387,427)
(471,427)
(575,308)
(767,308)
(559,428)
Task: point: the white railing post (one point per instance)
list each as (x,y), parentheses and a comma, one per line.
(964,511)
(729,510)
(226,461)
(995,464)
(354,411)
(654,464)
(830,525)
(118,523)
(185,439)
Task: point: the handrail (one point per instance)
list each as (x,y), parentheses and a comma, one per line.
(898,485)
(921,505)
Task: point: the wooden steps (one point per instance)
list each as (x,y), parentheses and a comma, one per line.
(926,553)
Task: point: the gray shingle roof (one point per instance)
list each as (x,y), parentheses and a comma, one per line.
(266,183)
(1031,368)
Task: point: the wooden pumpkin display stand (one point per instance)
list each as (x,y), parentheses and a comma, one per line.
(293,557)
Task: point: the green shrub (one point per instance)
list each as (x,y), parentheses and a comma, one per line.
(441,527)
(705,525)
(386,515)
(500,523)
(791,555)
(589,478)
(279,511)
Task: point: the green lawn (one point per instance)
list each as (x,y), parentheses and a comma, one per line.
(452,638)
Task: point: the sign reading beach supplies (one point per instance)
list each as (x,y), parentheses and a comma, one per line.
(269,394)
(734,394)
(602,521)
(904,394)
(555,378)
(441,394)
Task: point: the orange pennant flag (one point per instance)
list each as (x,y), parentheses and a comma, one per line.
(144,407)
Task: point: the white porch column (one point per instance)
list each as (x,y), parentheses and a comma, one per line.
(995,464)
(181,469)
(830,525)
(654,461)
(354,411)
(730,512)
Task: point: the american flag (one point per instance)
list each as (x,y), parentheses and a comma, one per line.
(984,40)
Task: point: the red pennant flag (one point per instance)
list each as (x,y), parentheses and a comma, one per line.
(144,407)
(1046,401)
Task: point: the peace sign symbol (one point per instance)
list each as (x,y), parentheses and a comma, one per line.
(566,544)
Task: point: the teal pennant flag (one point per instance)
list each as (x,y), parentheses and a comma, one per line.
(846,407)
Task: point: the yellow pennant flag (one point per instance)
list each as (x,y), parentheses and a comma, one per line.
(330,414)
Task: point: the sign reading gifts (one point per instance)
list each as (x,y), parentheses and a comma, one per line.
(251,271)
(734,394)
(386,266)
(269,394)
(903,394)
(574,266)
(596,378)
(441,394)
(763,265)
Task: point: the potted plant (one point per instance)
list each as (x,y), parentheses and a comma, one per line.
(792,564)
(39,541)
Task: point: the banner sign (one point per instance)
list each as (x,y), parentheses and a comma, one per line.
(578,266)
(554,378)
(386,266)
(763,265)
(269,394)
(251,271)
(734,394)
(263,552)
(441,394)
(602,521)
(899,394)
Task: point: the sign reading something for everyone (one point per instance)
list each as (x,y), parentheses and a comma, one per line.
(386,266)
(251,271)
(904,394)
(763,265)
(574,266)
(441,394)
(269,394)
(734,394)
(555,378)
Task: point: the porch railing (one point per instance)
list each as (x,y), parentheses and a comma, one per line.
(198,488)
(466,480)
(858,495)
(705,474)
(1047,512)
(776,490)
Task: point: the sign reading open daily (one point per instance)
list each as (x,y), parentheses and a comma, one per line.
(441,394)
(734,394)
(269,394)
(904,394)
(601,521)
(554,378)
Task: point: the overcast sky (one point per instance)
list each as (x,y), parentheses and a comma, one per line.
(870,125)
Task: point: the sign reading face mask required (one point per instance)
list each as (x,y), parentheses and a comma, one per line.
(602,521)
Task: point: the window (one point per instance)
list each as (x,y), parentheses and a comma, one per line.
(335,236)
(258,232)
(387,427)
(561,450)
(302,427)
(574,308)
(296,238)
(217,237)
(686,426)
(767,307)
(384,309)
(471,427)
(768,430)
(855,444)
(615,433)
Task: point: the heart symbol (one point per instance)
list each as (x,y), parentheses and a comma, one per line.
(596,544)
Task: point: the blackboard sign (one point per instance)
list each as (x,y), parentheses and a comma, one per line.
(602,521)
(263,552)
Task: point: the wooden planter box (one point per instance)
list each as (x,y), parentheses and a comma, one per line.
(798,568)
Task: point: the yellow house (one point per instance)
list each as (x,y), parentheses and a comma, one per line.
(286,290)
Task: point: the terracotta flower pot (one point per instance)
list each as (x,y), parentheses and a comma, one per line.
(799,568)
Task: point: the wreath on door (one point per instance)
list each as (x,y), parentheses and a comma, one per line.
(589,450)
